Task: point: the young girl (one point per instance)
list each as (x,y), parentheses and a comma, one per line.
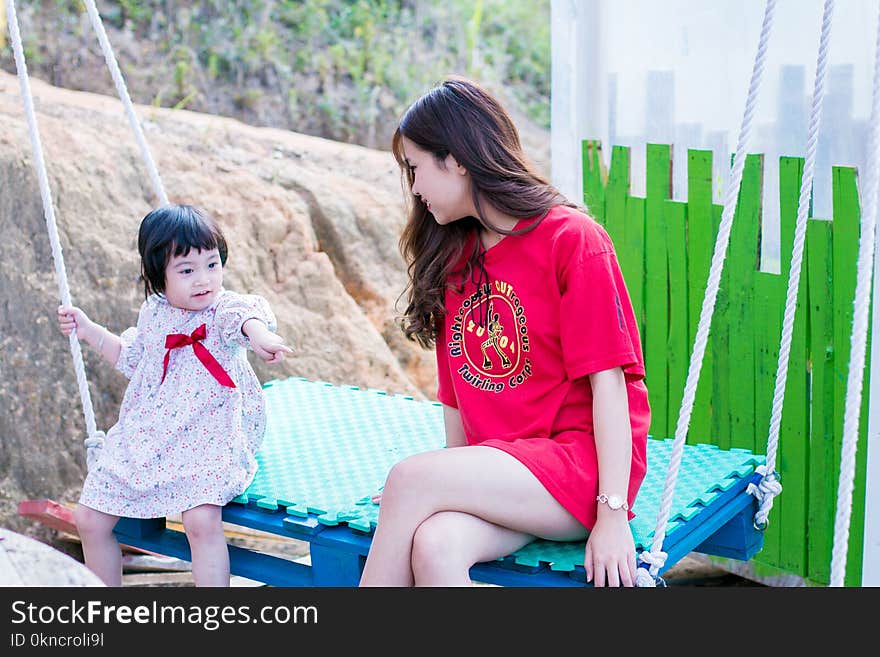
(539,360)
(193,415)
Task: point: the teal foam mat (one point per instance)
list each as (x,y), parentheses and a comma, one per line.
(706,471)
(328,448)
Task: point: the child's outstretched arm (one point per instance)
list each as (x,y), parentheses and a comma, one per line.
(71,318)
(267,345)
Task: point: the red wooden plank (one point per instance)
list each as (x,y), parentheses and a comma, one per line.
(60,518)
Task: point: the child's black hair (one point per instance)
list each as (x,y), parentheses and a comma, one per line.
(174,230)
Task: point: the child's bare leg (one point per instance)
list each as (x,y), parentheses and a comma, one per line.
(480,481)
(207,542)
(448,543)
(100,547)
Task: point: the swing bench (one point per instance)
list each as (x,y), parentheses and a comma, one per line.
(328,448)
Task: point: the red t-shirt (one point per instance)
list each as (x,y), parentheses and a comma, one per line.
(516,365)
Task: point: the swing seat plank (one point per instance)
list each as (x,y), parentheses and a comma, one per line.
(328,448)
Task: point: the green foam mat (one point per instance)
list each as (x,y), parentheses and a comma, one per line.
(327,448)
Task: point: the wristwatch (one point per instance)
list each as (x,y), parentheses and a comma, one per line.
(613,501)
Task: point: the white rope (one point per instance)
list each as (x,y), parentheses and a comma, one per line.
(856,372)
(766,488)
(646,577)
(769,485)
(122,91)
(95,439)
(696,362)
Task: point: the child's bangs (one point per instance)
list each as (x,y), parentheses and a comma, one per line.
(197,235)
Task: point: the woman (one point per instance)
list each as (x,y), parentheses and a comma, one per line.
(539,360)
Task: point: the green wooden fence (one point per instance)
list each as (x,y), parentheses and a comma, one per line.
(665,248)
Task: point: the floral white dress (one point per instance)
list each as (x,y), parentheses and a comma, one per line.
(188,439)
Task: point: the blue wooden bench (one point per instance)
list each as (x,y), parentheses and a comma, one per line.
(328,448)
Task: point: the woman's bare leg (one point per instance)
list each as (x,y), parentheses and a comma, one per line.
(481,481)
(448,543)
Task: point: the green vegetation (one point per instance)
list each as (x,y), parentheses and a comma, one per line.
(342,69)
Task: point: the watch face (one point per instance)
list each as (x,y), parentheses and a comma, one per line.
(615,501)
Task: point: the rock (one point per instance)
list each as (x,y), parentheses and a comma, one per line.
(26,562)
(312,225)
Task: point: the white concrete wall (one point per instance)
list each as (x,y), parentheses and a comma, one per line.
(636,71)
(578,99)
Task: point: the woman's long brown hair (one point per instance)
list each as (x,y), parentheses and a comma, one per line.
(460,118)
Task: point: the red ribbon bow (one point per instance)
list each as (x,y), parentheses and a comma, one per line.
(176,340)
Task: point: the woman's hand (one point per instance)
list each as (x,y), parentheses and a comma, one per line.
(610,555)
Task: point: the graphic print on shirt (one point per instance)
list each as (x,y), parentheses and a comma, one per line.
(489,341)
